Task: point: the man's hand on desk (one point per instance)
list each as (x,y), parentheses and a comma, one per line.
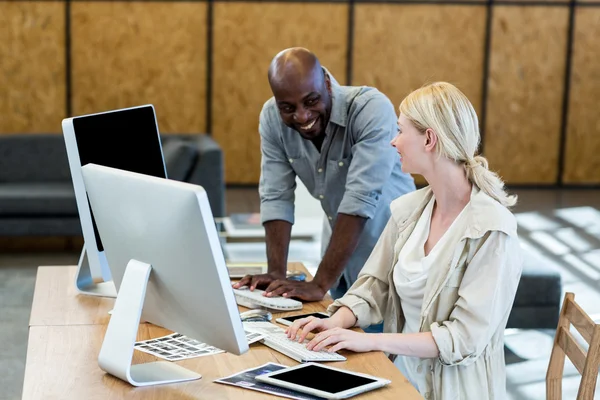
(307,291)
(258,281)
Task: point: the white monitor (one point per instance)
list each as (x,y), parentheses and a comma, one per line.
(166,261)
(127,139)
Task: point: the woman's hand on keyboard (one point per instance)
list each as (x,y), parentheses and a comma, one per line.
(339,338)
(308,324)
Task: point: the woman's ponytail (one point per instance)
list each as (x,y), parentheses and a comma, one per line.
(488,181)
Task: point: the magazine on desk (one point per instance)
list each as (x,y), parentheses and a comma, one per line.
(246,221)
(249,225)
(246,379)
(176,347)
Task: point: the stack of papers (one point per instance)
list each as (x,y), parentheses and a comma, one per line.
(246,379)
(176,346)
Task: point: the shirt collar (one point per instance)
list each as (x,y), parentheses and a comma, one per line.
(339,106)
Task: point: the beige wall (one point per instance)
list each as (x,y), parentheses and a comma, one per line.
(129,53)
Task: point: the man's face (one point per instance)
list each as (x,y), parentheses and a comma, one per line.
(305,104)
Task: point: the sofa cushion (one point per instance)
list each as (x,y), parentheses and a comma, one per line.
(33,158)
(46,226)
(539,286)
(37,199)
(180,157)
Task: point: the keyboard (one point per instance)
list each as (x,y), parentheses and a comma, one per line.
(277,339)
(255,299)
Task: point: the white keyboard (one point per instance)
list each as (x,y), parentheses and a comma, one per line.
(255,299)
(277,340)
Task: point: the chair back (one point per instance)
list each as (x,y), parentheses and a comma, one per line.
(587,363)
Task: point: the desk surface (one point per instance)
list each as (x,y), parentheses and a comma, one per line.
(57,302)
(67,330)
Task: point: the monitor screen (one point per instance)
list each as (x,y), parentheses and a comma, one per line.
(125,139)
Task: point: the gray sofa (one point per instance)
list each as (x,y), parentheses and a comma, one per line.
(538,299)
(36,191)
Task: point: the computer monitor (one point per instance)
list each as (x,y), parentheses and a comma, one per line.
(166,261)
(126,139)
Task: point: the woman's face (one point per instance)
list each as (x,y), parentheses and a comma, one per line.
(410,144)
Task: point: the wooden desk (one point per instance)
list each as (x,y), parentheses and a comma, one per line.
(67,331)
(57,302)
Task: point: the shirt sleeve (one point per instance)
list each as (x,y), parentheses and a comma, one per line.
(373,157)
(486,296)
(277,177)
(367,298)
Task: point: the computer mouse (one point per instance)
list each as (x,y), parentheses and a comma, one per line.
(256,315)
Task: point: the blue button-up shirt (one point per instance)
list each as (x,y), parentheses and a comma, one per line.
(357,171)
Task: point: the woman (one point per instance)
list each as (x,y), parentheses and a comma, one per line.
(444,273)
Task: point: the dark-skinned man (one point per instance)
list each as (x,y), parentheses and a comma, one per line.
(336,139)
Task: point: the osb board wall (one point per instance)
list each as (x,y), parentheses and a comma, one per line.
(32,66)
(582,162)
(246,37)
(399,48)
(527,67)
(130,53)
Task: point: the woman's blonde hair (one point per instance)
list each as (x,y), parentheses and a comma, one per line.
(442,107)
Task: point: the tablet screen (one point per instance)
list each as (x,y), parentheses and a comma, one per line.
(323,379)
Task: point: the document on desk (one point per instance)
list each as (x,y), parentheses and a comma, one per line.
(175,347)
(246,380)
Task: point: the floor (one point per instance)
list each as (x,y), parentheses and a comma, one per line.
(559,227)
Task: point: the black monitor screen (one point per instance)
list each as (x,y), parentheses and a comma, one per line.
(125,139)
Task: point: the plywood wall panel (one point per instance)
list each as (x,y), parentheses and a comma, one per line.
(32,66)
(524,108)
(582,162)
(131,53)
(399,48)
(561,2)
(246,37)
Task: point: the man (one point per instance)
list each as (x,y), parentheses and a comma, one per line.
(336,139)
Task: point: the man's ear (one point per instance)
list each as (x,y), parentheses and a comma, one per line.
(430,139)
(327,82)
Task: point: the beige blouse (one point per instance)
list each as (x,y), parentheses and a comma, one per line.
(467,300)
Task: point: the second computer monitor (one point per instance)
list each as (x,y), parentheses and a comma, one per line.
(166,229)
(126,139)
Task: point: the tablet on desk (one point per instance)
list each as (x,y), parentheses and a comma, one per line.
(323,381)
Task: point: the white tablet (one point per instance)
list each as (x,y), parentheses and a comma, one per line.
(323,381)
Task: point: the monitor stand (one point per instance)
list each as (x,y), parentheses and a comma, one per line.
(117,349)
(84,282)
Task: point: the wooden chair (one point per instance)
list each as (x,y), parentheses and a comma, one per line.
(565,343)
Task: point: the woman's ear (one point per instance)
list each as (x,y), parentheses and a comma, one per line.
(430,140)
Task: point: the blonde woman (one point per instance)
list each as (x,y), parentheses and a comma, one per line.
(444,272)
